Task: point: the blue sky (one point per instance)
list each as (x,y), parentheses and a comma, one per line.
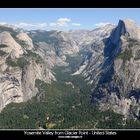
(65,18)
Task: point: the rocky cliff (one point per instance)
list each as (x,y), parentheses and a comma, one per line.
(111,63)
(115,73)
(28,56)
(20,65)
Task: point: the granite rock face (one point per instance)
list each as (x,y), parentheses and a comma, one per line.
(24,38)
(111,63)
(10,89)
(20,65)
(12,45)
(27,56)
(119,80)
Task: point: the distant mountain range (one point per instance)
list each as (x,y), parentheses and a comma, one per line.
(110,63)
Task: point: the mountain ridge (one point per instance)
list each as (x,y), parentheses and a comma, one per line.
(110,63)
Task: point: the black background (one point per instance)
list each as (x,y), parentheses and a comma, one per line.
(120,133)
(69,4)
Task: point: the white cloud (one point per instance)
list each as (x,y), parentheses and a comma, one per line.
(76,24)
(31,25)
(3,23)
(63,22)
(101,24)
(42,25)
(59,23)
(23,25)
(52,24)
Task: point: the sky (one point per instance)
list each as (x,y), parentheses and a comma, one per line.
(66,18)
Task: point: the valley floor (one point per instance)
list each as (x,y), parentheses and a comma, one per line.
(63,104)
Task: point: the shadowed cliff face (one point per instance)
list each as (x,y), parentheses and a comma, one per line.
(120,72)
(113,69)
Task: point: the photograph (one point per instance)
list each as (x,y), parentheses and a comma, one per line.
(64,69)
